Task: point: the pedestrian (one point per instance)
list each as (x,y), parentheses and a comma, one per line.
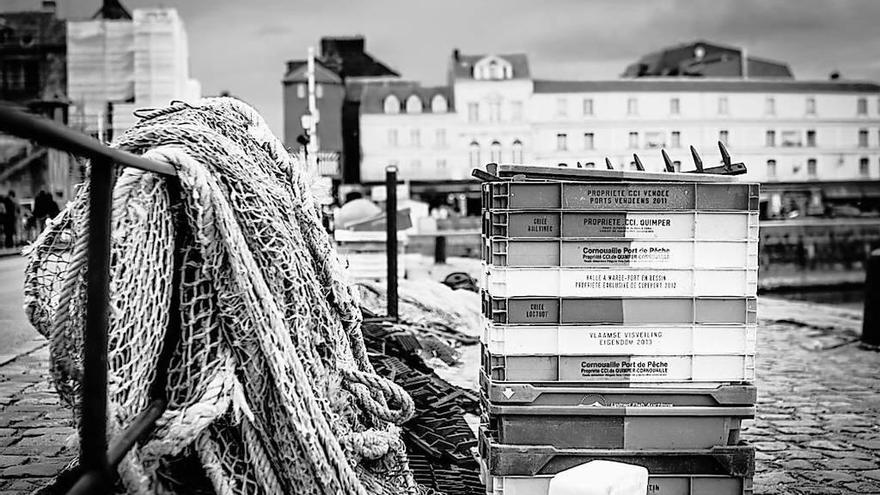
(40,210)
(10,218)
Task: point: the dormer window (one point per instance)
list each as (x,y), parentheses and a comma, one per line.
(392,104)
(439,104)
(413,104)
(493,68)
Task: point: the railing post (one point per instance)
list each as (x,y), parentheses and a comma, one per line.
(391,238)
(93,425)
(440,249)
(871,319)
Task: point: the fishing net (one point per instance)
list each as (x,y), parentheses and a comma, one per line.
(268,385)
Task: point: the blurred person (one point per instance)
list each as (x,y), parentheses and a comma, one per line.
(10,218)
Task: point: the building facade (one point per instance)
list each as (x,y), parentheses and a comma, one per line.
(809,142)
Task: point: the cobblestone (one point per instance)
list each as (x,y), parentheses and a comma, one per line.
(818,424)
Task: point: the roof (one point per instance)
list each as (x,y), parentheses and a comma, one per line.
(347,56)
(112,9)
(297,71)
(703,58)
(462,66)
(688,84)
(372,96)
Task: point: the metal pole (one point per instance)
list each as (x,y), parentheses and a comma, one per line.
(391,238)
(93,429)
(871,319)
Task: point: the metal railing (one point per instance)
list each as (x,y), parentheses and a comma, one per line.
(99,456)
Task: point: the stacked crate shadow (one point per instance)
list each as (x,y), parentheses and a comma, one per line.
(619,324)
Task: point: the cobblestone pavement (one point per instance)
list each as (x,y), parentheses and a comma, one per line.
(817,429)
(35,429)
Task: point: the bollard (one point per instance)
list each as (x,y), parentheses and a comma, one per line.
(439,249)
(871,319)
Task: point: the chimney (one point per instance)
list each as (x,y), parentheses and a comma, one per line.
(49,6)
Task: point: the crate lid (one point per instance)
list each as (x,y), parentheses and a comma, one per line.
(539,172)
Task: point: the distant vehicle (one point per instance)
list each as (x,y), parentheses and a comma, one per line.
(845,211)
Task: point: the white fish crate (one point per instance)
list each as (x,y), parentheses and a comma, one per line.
(636,225)
(621,254)
(618,282)
(615,340)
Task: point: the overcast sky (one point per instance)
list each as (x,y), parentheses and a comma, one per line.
(241,45)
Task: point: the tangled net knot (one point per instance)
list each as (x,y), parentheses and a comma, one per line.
(268,388)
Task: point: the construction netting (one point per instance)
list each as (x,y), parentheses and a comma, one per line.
(269,389)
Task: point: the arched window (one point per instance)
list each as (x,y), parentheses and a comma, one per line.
(439,104)
(495,152)
(392,104)
(474,154)
(517,151)
(413,104)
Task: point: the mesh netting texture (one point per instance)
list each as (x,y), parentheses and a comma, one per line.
(269,389)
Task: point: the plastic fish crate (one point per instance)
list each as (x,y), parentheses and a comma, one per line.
(609,196)
(621,254)
(701,226)
(542,460)
(615,340)
(660,484)
(620,311)
(626,427)
(618,282)
(624,369)
(528,394)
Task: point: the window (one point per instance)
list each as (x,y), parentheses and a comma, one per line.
(439,104)
(474,154)
(588,141)
(18,75)
(392,137)
(770,106)
(561,142)
(319,91)
(440,137)
(588,106)
(300,90)
(633,140)
(392,104)
(655,140)
(473,112)
(517,155)
(811,138)
(722,105)
(561,107)
(676,165)
(516,111)
(632,106)
(863,167)
(441,164)
(495,152)
(676,139)
(413,104)
(811,168)
(791,139)
(862,106)
(415,137)
(674,106)
(863,138)
(771,169)
(770,141)
(811,106)
(495,111)
(723,136)
(415,165)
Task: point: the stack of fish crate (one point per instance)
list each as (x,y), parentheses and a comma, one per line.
(619,324)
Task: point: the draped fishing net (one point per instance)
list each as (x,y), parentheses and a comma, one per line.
(268,386)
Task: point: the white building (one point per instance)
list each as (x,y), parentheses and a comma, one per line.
(792,135)
(133,62)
